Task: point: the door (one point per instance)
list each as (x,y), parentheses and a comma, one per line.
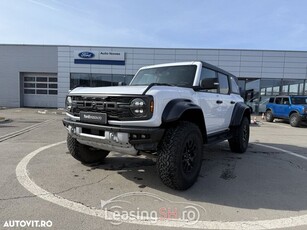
(39,90)
(227,101)
(211,103)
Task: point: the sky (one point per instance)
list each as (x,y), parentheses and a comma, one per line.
(225,24)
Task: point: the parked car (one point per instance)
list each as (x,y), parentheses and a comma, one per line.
(169,109)
(292,108)
(254,103)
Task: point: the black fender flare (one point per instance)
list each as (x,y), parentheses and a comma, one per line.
(240,110)
(176,108)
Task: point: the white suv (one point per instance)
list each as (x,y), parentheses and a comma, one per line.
(168,110)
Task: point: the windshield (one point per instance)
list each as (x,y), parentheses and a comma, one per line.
(299,100)
(182,76)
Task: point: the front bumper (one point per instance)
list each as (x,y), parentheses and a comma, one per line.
(114,138)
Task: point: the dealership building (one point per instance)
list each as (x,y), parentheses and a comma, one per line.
(42,75)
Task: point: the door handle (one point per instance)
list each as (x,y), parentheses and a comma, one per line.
(219,102)
(232,102)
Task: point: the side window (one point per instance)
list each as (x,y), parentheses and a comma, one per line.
(208,73)
(278,100)
(234,86)
(223,83)
(286,101)
(271,100)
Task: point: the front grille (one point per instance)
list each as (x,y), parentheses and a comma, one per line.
(116,108)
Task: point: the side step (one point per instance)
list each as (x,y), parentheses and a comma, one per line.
(218,137)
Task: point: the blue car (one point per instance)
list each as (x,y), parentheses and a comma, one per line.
(292,108)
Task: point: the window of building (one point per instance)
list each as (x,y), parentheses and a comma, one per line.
(29,91)
(293,89)
(40,84)
(301,89)
(41,79)
(53,79)
(41,91)
(79,80)
(272,86)
(97,80)
(294,86)
(285,89)
(276,90)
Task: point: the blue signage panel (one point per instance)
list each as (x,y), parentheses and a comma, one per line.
(99,62)
(99,57)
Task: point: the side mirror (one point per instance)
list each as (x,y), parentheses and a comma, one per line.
(209,83)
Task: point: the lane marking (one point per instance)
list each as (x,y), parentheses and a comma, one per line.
(282,150)
(24,130)
(32,187)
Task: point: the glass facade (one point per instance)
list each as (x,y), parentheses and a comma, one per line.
(97,80)
(256,92)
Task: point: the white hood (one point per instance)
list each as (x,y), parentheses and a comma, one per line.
(132,90)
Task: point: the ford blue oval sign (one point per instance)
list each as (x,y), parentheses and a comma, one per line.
(86,54)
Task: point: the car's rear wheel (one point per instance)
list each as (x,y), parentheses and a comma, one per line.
(295,120)
(85,153)
(269,116)
(240,137)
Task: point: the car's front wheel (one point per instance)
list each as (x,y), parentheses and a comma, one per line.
(180,155)
(269,116)
(85,153)
(295,120)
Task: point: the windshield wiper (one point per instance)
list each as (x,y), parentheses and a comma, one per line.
(155,83)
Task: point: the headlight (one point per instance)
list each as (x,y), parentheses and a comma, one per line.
(138,107)
(68,103)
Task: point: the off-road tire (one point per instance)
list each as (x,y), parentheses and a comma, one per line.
(240,137)
(84,153)
(180,155)
(295,120)
(269,116)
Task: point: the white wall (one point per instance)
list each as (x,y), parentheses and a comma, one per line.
(15,59)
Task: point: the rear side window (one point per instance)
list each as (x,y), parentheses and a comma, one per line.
(286,101)
(234,86)
(278,100)
(223,83)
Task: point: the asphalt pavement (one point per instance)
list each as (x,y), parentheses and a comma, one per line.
(264,188)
